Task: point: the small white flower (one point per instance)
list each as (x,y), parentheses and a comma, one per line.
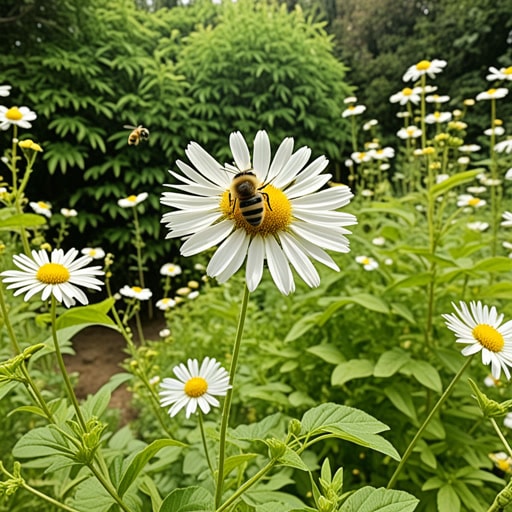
(411,132)
(407,95)
(16,116)
(403,115)
(164,333)
(469,148)
(436,98)
(469,200)
(504,146)
(442,177)
(349,99)
(42,208)
(438,117)
(165,304)
(133,200)
(367,192)
(136,292)
(379,240)
(382,153)
(507,220)
(499,74)
(154,380)
(361,156)
(491,94)
(424,67)
(507,420)
(477,225)
(370,124)
(463,160)
(497,130)
(367,262)
(170,269)
(388,262)
(193,295)
(196,386)
(96,253)
(68,212)
(508,174)
(5,90)
(353,110)
(482,329)
(475,190)
(59,275)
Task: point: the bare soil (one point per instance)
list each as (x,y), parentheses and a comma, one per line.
(99,354)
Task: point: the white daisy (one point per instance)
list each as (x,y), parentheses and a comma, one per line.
(367,262)
(497,130)
(370,124)
(136,292)
(499,74)
(504,146)
(195,386)
(68,212)
(507,220)
(361,156)
(469,148)
(353,110)
(438,117)
(478,225)
(133,200)
(482,329)
(406,95)
(382,153)
(96,253)
(469,200)
(424,67)
(170,269)
(437,98)
(16,116)
(411,132)
(42,208)
(299,220)
(491,94)
(5,90)
(165,304)
(59,275)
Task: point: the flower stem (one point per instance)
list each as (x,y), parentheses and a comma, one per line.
(502,437)
(229,396)
(62,367)
(418,435)
(109,488)
(205,445)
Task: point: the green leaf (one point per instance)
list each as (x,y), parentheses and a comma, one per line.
(271,426)
(401,400)
(494,264)
(292,460)
(22,220)
(141,459)
(189,499)
(369,499)
(91,314)
(42,442)
(328,353)
(447,499)
(301,327)
(417,279)
(235,461)
(425,374)
(390,362)
(353,369)
(454,181)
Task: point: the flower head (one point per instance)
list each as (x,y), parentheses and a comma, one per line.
(136,292)
(490,94)
(59,275)
(504,146)
(499,74)
(16,116)
(68,212)
(353,110)
(296,220)
(42,208)
(482,329)
(5,90)
(407,95)
(29,144)
(165,304)
(411,132)
(96,253)
(195,386)
(133,200)
(170,269)
(469,200)
(424,67)
(438,117)
(367,262)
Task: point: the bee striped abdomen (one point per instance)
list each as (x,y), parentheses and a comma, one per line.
(253,209)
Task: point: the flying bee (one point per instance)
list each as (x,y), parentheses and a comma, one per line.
(245,190)
(138,133)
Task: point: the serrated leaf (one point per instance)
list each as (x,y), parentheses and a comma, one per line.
(353,369)
(291,459)
(271,426)
(369,499)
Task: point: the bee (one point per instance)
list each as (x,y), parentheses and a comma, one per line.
(245,190)
(138,133)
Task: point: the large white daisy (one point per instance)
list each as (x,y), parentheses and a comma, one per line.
(195,386)
(59,275)
(300,218)
(16,116)
(482,329)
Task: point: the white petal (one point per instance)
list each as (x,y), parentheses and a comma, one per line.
(327,238)
(206,164)
(283,154)
(261,156)
(227,252)
(207,239)
(278,266)
(240,151)
(236,262)
(255,259)
(299,260)
(294,165)
(307,186)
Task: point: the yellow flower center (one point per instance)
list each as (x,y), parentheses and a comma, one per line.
(474,201)
(365,261)
(43,205)
(132,198)
(491,92)
(136,289)
(14,114)
(489,337)
(53,273)
(508,71)
(277,212)
(196,387)
(351,107)
(92,253)
(423,65)
(407,91)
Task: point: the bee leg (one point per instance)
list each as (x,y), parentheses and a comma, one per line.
(232,201)
(265,195)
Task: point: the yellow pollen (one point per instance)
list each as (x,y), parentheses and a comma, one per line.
(508,71)
(474,201)
(351,107)
(14,114)
(53,273)
(489,337)
(196,387)
(132,198)
(365,261)
(491,91)
(423,65)
(276,218)
(407,91)
(136,289)
(42,204)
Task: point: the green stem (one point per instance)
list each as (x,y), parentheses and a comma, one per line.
(254,479)
(60,360)
(205,445)
(229,397)
(502,437)
(109,488)
(419,433)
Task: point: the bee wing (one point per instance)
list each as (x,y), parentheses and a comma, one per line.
(129,127)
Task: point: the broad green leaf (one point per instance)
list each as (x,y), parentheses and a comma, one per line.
(425,374)
(447,499)
(91,314)
(32,409)
(418,279)
(494,264)
(501,290)
(353,369)
(7,387)
(403,311)
(292,460)
(22,220)
(141,459)
(327,352)
(369,499)
(189,499)
(301,327)
(271,426)
(235,461)
(454,181)
(401,400)
(366,300)
(390,362)
(391,209)
(42,442)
